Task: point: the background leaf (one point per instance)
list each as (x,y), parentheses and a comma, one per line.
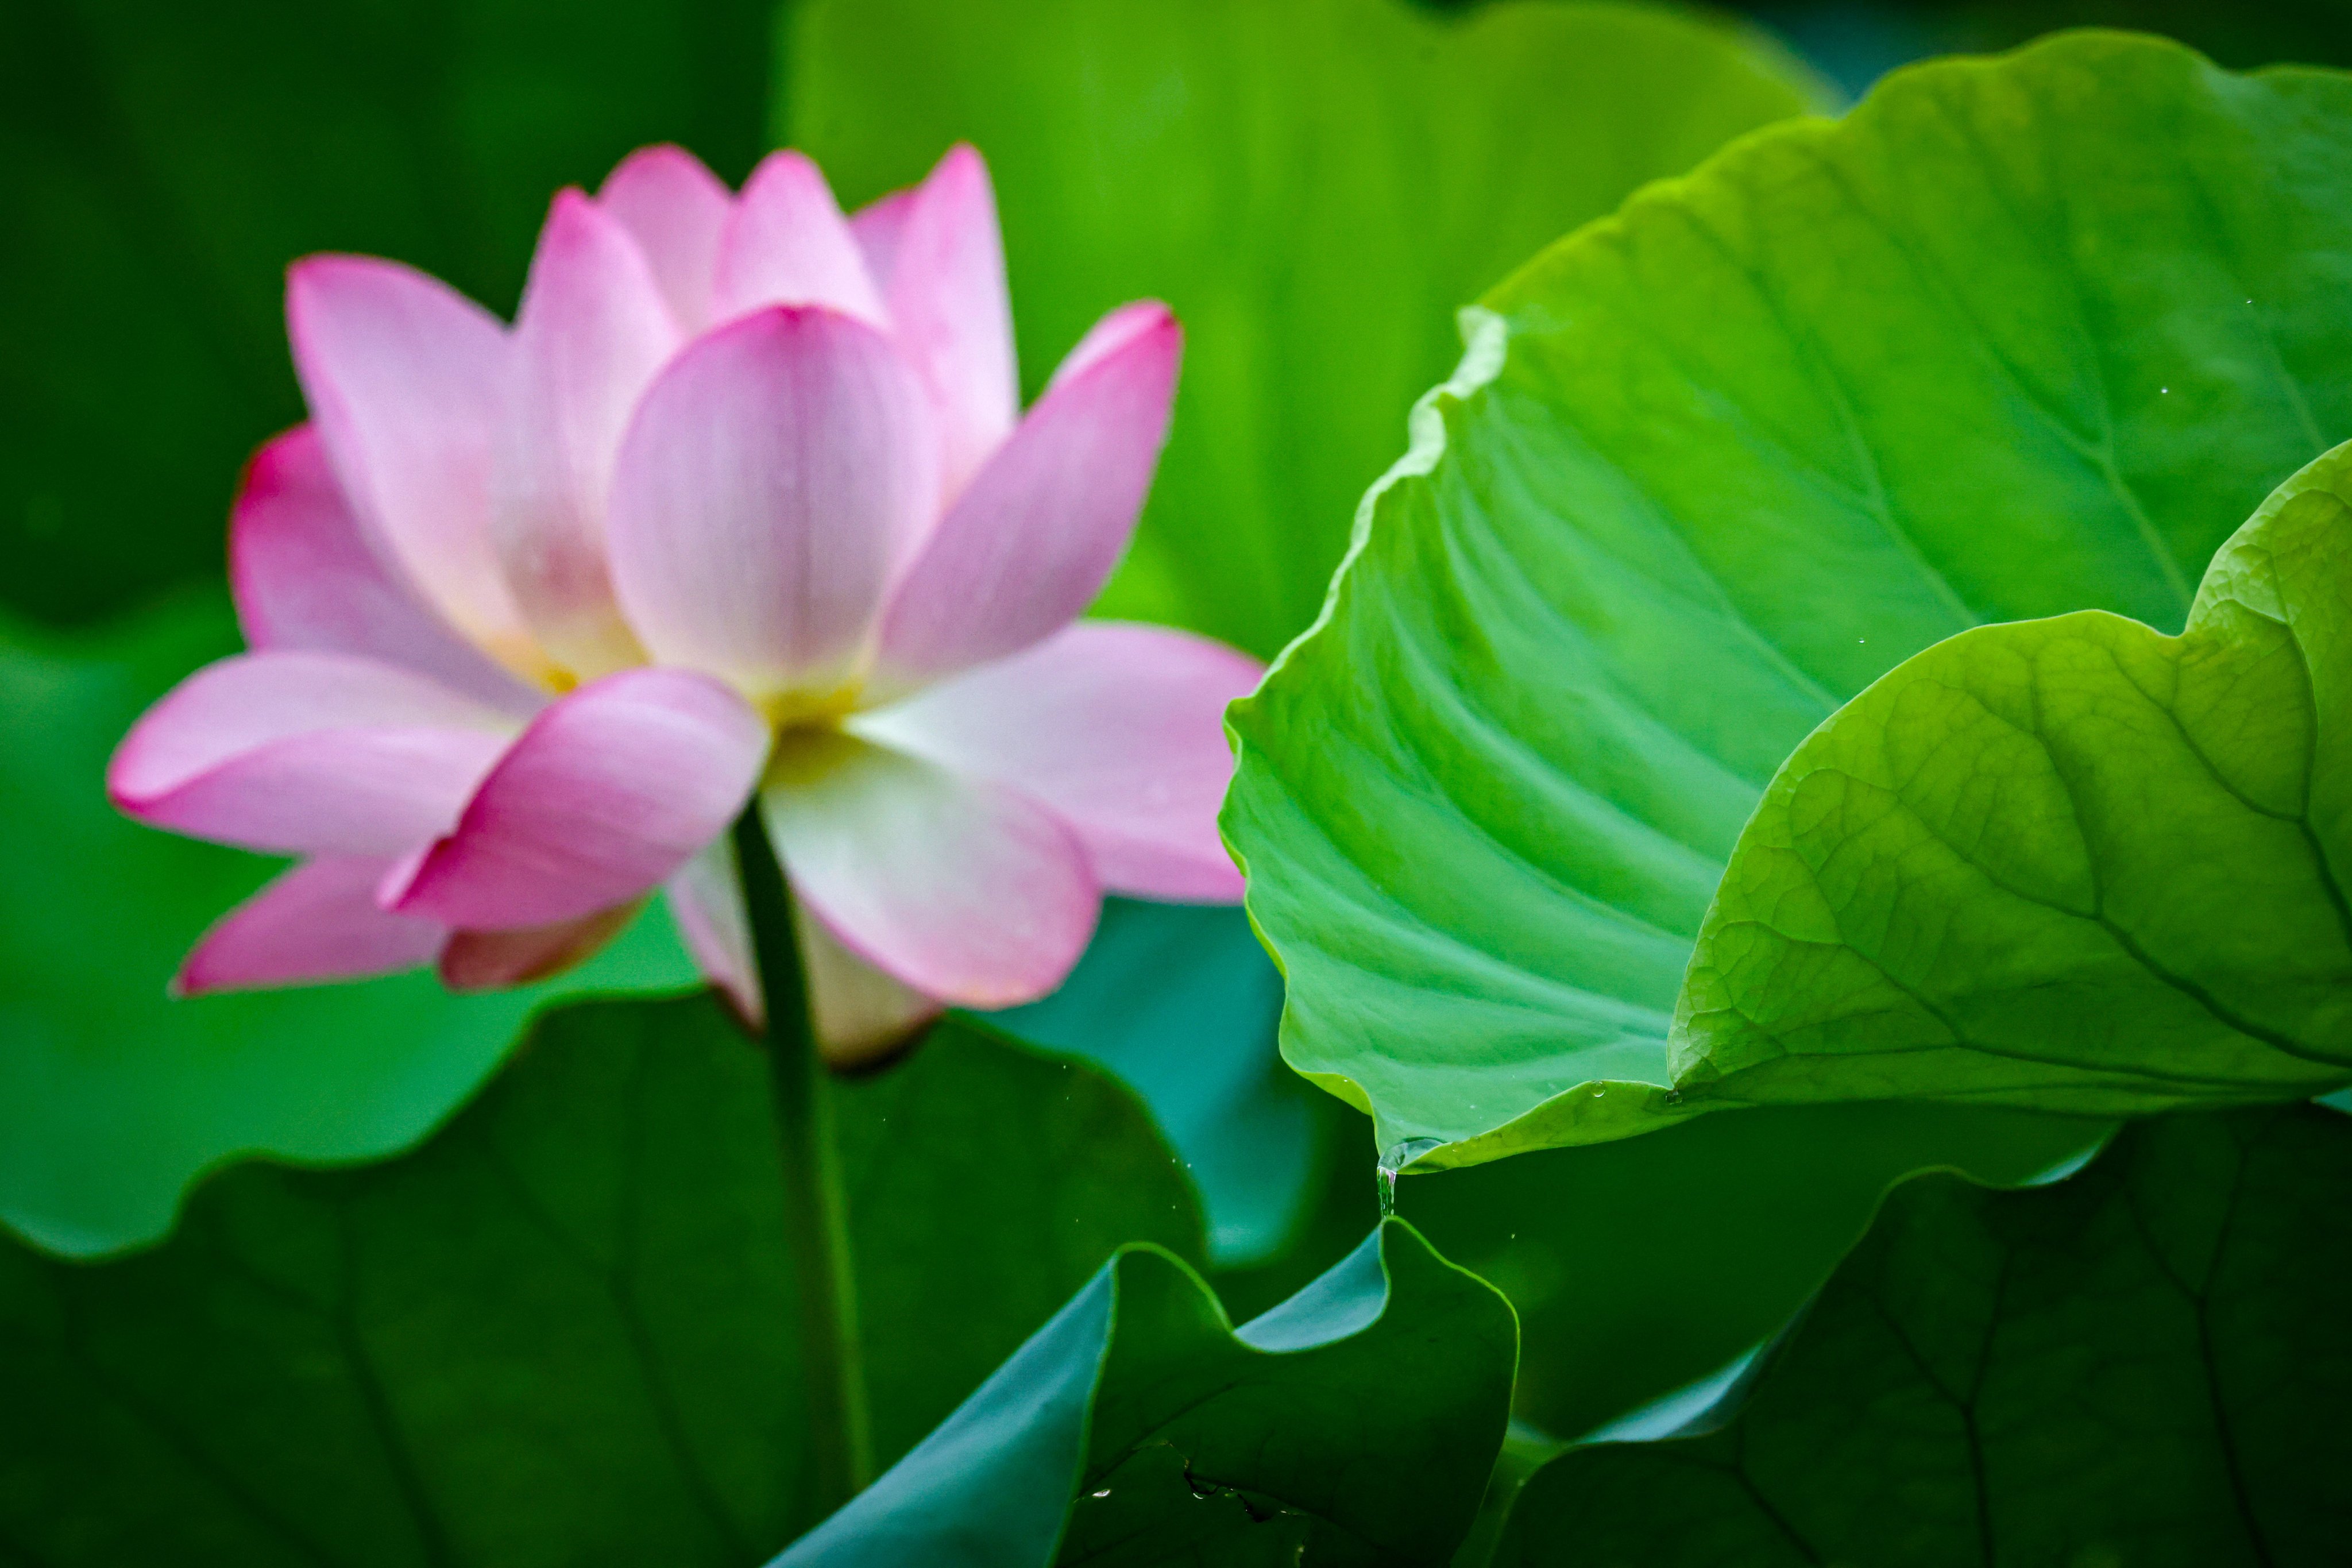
(1640,1265)
(2070,863)
(1180,1002)
(162,164)
(2015,337)
(1314,185)
(561,1331)
(113,1097)
(1354,1423)
(2139,1364)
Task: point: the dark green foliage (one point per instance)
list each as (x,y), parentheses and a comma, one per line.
(2143,1364)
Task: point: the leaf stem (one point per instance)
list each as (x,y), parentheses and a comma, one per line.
(816,1219)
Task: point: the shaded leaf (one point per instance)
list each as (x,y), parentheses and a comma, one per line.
(561,1331)
(112,1096)
(2014,338)
(1313,185)
(2070,863)
(2142,1364)
(1180,1002)
(161,164)
(1354,1423)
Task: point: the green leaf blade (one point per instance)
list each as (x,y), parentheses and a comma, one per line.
(2135,1364)
(2071,864)
(1982,350)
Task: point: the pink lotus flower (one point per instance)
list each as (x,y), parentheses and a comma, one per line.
(743,501)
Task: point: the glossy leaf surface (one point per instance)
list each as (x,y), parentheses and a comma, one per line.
(561,1331)
(2142,1364)
(1315,185)
(2016,337)
(1353,1424)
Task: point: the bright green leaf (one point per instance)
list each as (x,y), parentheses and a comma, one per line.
(561,1331)
(2015,337)
(1314,185)
(1354,1423)
(2073,864)
(2142,1365)
(113,1097)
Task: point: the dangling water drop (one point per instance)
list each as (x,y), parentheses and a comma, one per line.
(1394,1160)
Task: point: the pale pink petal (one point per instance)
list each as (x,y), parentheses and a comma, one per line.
(316,921)
(497,959)
(676,209)
(876,226)
(777,472)
(706,900)
(787,243)
(607,794)
(1118,729)
(298,752)
(1033,540)
(403,377)
(592,329)
(1136,319)
(305,580)
(860,1012)
(950,310)
(960,890)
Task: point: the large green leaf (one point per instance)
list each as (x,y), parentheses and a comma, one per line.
(1313,185)
(2016,337)
(561,1331)
(161,164)
(113,1097)
(1640,1265)
(2070,863)
(2142,1365)
(1354,1423)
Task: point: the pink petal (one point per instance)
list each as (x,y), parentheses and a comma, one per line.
(317,922)
(298,753)
(776,473)
(705,900)
(306,579)
(947,303)
(608,792)
(404,377)
(498,959)
(958,888)
(860,1012)
(593,331)
(787,243)
(1115,331)
(876,226)
(1118,729)
(676,209)
(1031,541)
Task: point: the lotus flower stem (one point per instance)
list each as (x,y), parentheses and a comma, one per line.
(816,1218)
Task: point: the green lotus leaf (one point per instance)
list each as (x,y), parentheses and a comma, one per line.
(1354,1423)
(2143,1363)
(1314,185)
(563,1330)
(2016,337)
(2070,863)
